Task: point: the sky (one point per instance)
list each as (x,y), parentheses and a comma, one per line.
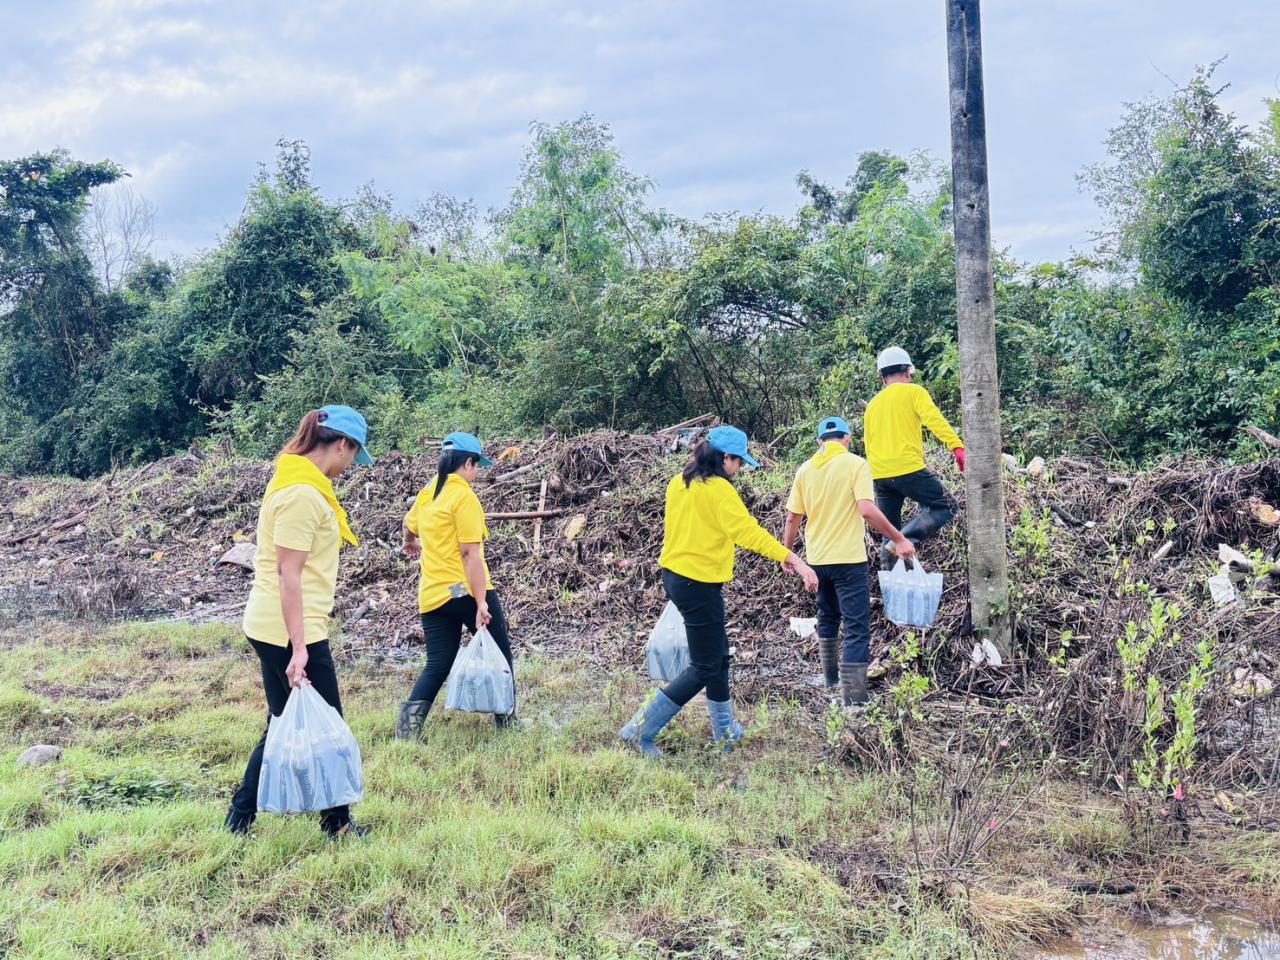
(720,102)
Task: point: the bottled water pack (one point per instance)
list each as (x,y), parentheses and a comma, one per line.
(910,596)
(481,680)
(311,761)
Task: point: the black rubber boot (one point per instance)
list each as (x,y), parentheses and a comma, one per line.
(237,822)
(829,653)
(853,684)
(413,714)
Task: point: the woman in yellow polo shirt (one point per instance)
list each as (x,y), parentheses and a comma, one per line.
(705,520)
(446,528)
(301,527)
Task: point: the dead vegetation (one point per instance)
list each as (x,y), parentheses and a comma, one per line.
(1116,631)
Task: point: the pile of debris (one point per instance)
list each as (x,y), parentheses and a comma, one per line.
(576,530)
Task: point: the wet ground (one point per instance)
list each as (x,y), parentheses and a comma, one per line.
(1215,936)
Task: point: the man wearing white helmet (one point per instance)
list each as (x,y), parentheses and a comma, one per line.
(895,451)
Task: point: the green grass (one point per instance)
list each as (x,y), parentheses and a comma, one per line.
(546,842)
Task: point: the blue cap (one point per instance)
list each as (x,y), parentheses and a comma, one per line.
(733,441)
(350,424)
(833,425)
(467,443)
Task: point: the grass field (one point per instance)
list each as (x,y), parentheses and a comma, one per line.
(545,842)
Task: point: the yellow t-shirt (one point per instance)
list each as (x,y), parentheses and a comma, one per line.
(702,524)
(827,489)
(442,525)
(296,517)
(891,427)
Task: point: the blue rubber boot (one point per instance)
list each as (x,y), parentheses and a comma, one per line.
(725,730)
(648,721)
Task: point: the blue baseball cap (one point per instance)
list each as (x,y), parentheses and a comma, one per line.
(733,441)
(833,425)
(350,424)
(467,443)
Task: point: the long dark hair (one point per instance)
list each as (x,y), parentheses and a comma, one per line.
(451,461)
(312,433)
(706,462)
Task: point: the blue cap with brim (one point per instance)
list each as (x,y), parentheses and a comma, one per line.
(351,425)
(833,425)
(467,443)
(733,441)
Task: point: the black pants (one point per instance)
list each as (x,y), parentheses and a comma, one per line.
(844,594)
(323,676)
(442,628)
(702,606)
(937,507)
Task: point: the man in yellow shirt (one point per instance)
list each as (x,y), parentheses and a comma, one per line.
(895,451)
(833,489)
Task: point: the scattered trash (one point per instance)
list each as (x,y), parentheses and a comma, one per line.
(1236,562)
(1223,590)
(39,755)
(986,652)
(574,527)
(804,627)
(1165,549)
(1010,462)
(240,555)
(1036,467)
(1266,513)
(1249,683)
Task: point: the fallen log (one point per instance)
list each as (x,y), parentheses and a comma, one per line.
(1264,438)
(62,524)
(526,514)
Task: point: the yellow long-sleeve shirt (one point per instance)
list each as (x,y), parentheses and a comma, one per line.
(892,429)
(703,523)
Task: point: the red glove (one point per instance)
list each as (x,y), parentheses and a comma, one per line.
(958,453)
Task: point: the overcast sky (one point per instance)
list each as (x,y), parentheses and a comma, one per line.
(721,102)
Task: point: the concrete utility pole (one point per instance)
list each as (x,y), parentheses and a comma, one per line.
(976,327)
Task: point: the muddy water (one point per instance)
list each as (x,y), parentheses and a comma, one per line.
(1217,936)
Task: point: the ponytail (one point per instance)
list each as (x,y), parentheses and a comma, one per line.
(312,433)
(451,461)
(706,462)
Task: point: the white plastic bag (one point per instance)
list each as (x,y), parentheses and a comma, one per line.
(310,761)
(481,681)
(910,596)
(667,651)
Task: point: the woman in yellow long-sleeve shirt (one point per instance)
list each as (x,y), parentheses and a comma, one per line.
(705,520)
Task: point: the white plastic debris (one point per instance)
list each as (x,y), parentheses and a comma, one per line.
(986,652)
(1222,589)
(804,627)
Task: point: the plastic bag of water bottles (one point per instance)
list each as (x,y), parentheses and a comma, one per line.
(310,761)
(911,596)
(668,648)
(481,681)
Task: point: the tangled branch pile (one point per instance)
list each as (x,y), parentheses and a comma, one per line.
(1109,582)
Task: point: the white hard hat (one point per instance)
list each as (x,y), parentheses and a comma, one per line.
(893,357)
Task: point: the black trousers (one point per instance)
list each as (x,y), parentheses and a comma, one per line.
(937,507)
(702,606)
(442,628)
(844,596)
(323,676)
